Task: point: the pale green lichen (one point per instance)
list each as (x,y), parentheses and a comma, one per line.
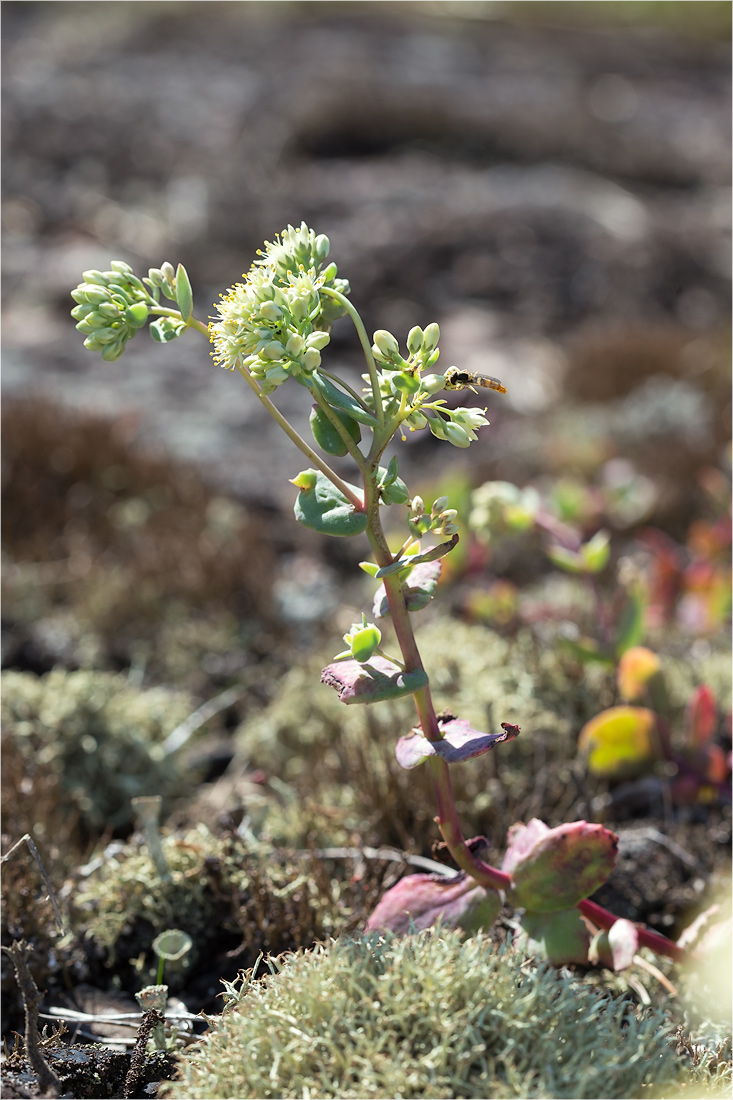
(426,1016)
(102,736)
(218,888)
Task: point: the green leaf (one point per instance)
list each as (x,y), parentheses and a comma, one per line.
(338,399)
(596,552)
(326,435)
(587,651)
(184,293)
(630,630)
(323,508)
(560,937)
(429,555)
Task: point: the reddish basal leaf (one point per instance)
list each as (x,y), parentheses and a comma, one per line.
(418,901)
(563,866)
(701,716)
(521,839)
(380,679)
(460,742)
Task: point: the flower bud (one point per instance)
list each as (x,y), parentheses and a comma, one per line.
(414,340)
(295,345)
(312,359)
(121,266)
(417,506)
(97,278)
(386,344)
(270,311)
(416,420)
(437,426)
(457,435)
(438,505)
(156,277)
(95,295)
(321,248)
(329,274)
(272,350)
(430,337)
(108,310)
(318,340)
(168,272)
(432,359)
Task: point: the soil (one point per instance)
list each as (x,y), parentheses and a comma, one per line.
(553,192)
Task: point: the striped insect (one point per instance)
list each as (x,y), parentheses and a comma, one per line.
(456,379)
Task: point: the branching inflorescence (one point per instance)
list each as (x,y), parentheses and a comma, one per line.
(272,328)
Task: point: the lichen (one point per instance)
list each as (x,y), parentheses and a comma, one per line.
(101,736)
(426,1016)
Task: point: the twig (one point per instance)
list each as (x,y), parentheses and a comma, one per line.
(49,1082)
(151,1019)
(180,735)
(389,854)
(46,881)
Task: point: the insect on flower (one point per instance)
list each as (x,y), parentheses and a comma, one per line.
(456,379)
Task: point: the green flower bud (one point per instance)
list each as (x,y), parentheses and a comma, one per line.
(437,426)
(416,420)
(109,310)
(121,266)
(155,276)
(417,506)
(113,351)
(312,359)
(95,295)
(318,340)
(438,505)
(97,278)
(272,350)
(432,359)
(168,272)
(329,274)
(321,248)
(415,340)
(430,338)
(306,479)
(363,640)
(270,311)
(295,345)
(386,344)
(457,435)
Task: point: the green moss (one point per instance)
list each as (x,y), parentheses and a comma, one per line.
(102,737)
(425,1016)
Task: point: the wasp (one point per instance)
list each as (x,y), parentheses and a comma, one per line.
(456,379)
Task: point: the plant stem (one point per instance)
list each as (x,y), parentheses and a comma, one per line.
(300,443)
(366,347)
(654,940)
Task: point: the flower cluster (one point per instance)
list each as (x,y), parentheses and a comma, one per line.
(440,521)
(112,306)
(275,324)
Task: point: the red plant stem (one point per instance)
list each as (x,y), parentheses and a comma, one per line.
(654,940)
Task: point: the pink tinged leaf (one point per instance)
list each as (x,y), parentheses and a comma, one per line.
(371,683)
(521,839)
(619,741)
(560,937)
(565,865)
(636,668)
(701,716)
(418,901)
(418,589)
(460,742)
(616,948)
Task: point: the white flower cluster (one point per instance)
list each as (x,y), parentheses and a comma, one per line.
(275,323)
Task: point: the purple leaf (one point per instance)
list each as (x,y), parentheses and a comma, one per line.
(418,588)
(380,679)
(418,901)
(521,840)
(460,742)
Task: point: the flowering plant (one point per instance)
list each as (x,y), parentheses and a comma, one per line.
(272,329)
